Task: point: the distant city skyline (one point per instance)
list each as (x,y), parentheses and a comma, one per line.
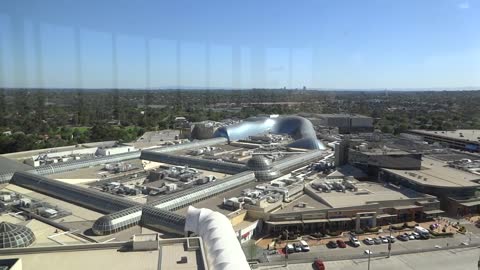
(246,44)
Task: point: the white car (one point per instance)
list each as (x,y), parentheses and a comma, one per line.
(368,241)
(411,236)
(391,239)
(355,242)
(416,235)
(304,246)
(384,239)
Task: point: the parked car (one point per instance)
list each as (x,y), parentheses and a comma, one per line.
(384,239)
(403,237)
(410,236)
(272,252)
(368,241)
(391,239)
(332,244)
(424,233)
(416,235)
(297,247)
(304,245)
(377,241)
(354,241)
(318,264)
(341,244)
(289,248)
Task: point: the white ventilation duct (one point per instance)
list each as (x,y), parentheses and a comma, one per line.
(222,246)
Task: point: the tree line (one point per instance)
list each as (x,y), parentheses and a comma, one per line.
(41,118)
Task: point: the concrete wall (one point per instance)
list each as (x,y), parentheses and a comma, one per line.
(246,234)
(266,207)
(115,150)
(238,217)
(406,161)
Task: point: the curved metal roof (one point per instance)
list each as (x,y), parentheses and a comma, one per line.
(132,216)
(259,162)
(14,235)
(117,221)
(10,166)
(89,198)
(164,220)
(297,127)
(267,175)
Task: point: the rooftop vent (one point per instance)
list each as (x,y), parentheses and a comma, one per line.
(193,243)
(183,260)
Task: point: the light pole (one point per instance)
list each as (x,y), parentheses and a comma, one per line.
(389,241)
(369,252)
(286,249)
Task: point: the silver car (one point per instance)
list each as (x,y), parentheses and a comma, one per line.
(368,241)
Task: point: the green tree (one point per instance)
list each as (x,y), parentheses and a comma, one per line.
(3,108)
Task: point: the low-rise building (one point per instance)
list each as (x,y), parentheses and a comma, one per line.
(115,150)
(359,206)
(372,160)
(463,139)
(437,178)
(346,123)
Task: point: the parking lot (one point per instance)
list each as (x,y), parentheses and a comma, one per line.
(417,245)
(453,259)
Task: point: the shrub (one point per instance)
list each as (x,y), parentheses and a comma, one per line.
(318,235)
(373,229)
(335,233)
(409,225)
(397,227)
(442,234)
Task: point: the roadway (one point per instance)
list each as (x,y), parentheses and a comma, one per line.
(399,247)
(453,259)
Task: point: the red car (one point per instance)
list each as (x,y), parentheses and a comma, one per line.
(341,244)
(319,264)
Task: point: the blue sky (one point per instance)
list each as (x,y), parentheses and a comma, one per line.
(356,44)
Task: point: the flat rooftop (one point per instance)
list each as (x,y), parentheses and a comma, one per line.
(9,165)
(45,234)
(28,154)
(437,173)
(381,152)
(459,134)
(94,173)
(453,156)
(168,256)
(215,203)
(151,165)
(78,213)
(368,192)
(225,147)
(348,170)
(81,219)
(311,204)
(154,138)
